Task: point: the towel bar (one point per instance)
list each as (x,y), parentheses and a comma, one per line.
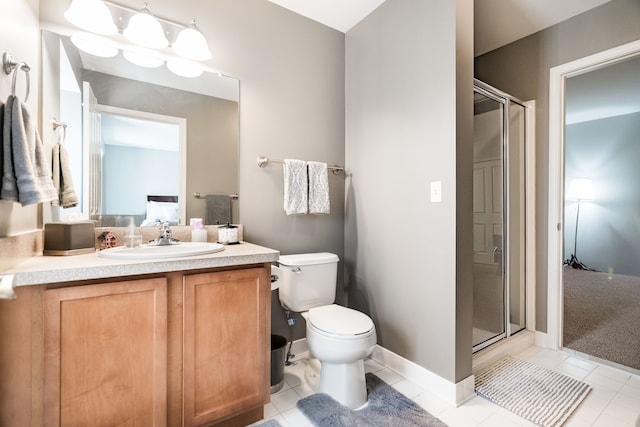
(262,162)
(10,66)
(202,195)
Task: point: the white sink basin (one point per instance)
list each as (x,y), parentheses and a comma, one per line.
(146,251)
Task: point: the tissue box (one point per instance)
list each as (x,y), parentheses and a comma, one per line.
(69,238)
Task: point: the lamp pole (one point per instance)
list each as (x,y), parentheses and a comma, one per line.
(575,236)
(580,189)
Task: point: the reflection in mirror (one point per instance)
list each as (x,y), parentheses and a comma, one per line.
(143,148)
(115,169)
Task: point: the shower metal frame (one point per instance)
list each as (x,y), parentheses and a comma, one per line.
(505,99)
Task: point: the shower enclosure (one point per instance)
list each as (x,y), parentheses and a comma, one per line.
(498,216)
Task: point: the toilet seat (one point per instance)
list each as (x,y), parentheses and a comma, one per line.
(336,320)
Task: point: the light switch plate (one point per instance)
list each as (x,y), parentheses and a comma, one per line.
(436,191)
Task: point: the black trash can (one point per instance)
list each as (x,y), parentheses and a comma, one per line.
(278,356)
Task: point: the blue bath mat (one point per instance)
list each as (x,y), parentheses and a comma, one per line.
(268,423)
(386,407)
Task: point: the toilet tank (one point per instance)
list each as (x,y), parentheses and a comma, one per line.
(307,280)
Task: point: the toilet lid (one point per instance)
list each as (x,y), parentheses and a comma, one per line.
(339,320)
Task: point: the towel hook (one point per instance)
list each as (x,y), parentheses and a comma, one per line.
(10,67)
(56,125)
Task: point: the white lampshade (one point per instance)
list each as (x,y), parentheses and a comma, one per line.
(185,68)
(191,44)
(94,45)
(143,58)
(91,15)
(580,189)
(145,30)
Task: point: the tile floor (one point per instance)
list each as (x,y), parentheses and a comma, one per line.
(614,400)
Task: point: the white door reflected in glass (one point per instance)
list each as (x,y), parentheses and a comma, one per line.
(498,232)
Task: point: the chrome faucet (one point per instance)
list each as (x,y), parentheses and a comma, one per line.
(165,237)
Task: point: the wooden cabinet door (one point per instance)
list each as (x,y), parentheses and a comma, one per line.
(226,344)
(105,354)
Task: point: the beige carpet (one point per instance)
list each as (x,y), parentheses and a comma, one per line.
(602,315)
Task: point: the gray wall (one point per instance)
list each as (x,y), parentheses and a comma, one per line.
(403,132)
(20,36)
(607,151)
(522,69)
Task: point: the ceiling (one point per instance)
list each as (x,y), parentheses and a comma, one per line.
(497,22)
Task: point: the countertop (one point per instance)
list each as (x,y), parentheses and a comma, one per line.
(41,270)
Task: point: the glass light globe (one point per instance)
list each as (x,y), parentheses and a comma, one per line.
(192,44)
(143,58)
(94,45)
(91,15)
(145,30)
(185,68)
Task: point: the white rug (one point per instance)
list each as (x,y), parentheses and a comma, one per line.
(540,395)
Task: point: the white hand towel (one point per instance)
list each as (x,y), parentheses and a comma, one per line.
(6,287)
(296,187)
(318,188)
(62,180)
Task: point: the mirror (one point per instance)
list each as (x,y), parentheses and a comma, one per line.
(139,136)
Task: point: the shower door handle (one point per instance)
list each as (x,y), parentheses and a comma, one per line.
(497,254)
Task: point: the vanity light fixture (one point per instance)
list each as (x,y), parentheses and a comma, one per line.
(185,67)
(191,44)
(142,57)
(91,15)
(94,45)
(148,36)
(145,30)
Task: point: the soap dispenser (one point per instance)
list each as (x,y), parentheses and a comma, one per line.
(198,232)
(132,239)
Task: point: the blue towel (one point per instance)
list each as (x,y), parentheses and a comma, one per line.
(8,184)
(218,209)
(26,175)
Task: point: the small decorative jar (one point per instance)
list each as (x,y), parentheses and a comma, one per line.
(228,234)
(107,240)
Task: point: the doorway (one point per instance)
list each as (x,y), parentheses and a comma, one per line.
(557,204)
(499,188)
(124,146)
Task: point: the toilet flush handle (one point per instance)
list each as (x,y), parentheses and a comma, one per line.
(296,270)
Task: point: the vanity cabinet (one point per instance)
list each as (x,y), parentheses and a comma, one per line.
(226,344)
(186,348)
(105,354)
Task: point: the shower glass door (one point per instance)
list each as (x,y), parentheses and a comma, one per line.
(498,216)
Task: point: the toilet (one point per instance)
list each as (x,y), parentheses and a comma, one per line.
(339,337)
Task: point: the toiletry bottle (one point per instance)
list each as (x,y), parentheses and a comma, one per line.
(132,239)
(198,232)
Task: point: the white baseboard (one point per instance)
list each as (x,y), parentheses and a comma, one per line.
(455,394)
(542,340)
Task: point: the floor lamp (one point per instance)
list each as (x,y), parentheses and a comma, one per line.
(580,189)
